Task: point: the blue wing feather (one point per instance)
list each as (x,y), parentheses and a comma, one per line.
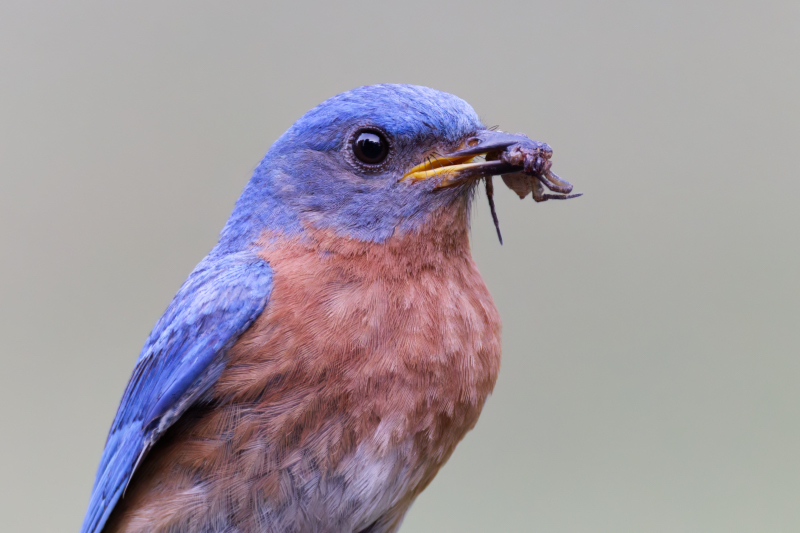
(181,358)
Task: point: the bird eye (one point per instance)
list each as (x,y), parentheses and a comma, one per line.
(370,146)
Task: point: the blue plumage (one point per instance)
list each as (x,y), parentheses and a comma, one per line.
(182,357)
(304,179)
(298,178)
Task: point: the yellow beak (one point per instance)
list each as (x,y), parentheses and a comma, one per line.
(452,170)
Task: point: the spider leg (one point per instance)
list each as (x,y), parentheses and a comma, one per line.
(556,184)
(538,190)
(560,196)
(490,196)
(540,196)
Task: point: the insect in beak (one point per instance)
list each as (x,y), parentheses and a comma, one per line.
(523,163)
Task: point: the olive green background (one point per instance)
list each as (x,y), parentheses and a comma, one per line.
(651,337)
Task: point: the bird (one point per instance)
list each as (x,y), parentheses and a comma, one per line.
(320,365)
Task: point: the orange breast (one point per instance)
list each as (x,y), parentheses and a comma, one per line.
(379,353)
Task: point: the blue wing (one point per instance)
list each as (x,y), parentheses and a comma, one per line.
(183,356)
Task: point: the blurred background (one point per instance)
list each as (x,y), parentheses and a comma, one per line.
(651,336)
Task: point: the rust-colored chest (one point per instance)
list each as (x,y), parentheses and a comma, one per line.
(369,341)
(343,399)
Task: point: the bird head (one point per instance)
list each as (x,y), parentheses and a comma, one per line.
(367,164)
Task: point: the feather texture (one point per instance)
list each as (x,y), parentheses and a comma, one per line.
(320,365)
(181,358)
(342,400)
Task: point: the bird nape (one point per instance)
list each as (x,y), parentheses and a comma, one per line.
(320,365)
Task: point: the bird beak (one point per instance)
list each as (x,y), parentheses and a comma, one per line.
(458,167)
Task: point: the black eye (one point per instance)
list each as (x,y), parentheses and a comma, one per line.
(370,146)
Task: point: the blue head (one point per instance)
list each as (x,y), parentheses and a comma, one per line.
(316,175)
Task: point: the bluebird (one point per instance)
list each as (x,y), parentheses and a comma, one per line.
(319,366)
